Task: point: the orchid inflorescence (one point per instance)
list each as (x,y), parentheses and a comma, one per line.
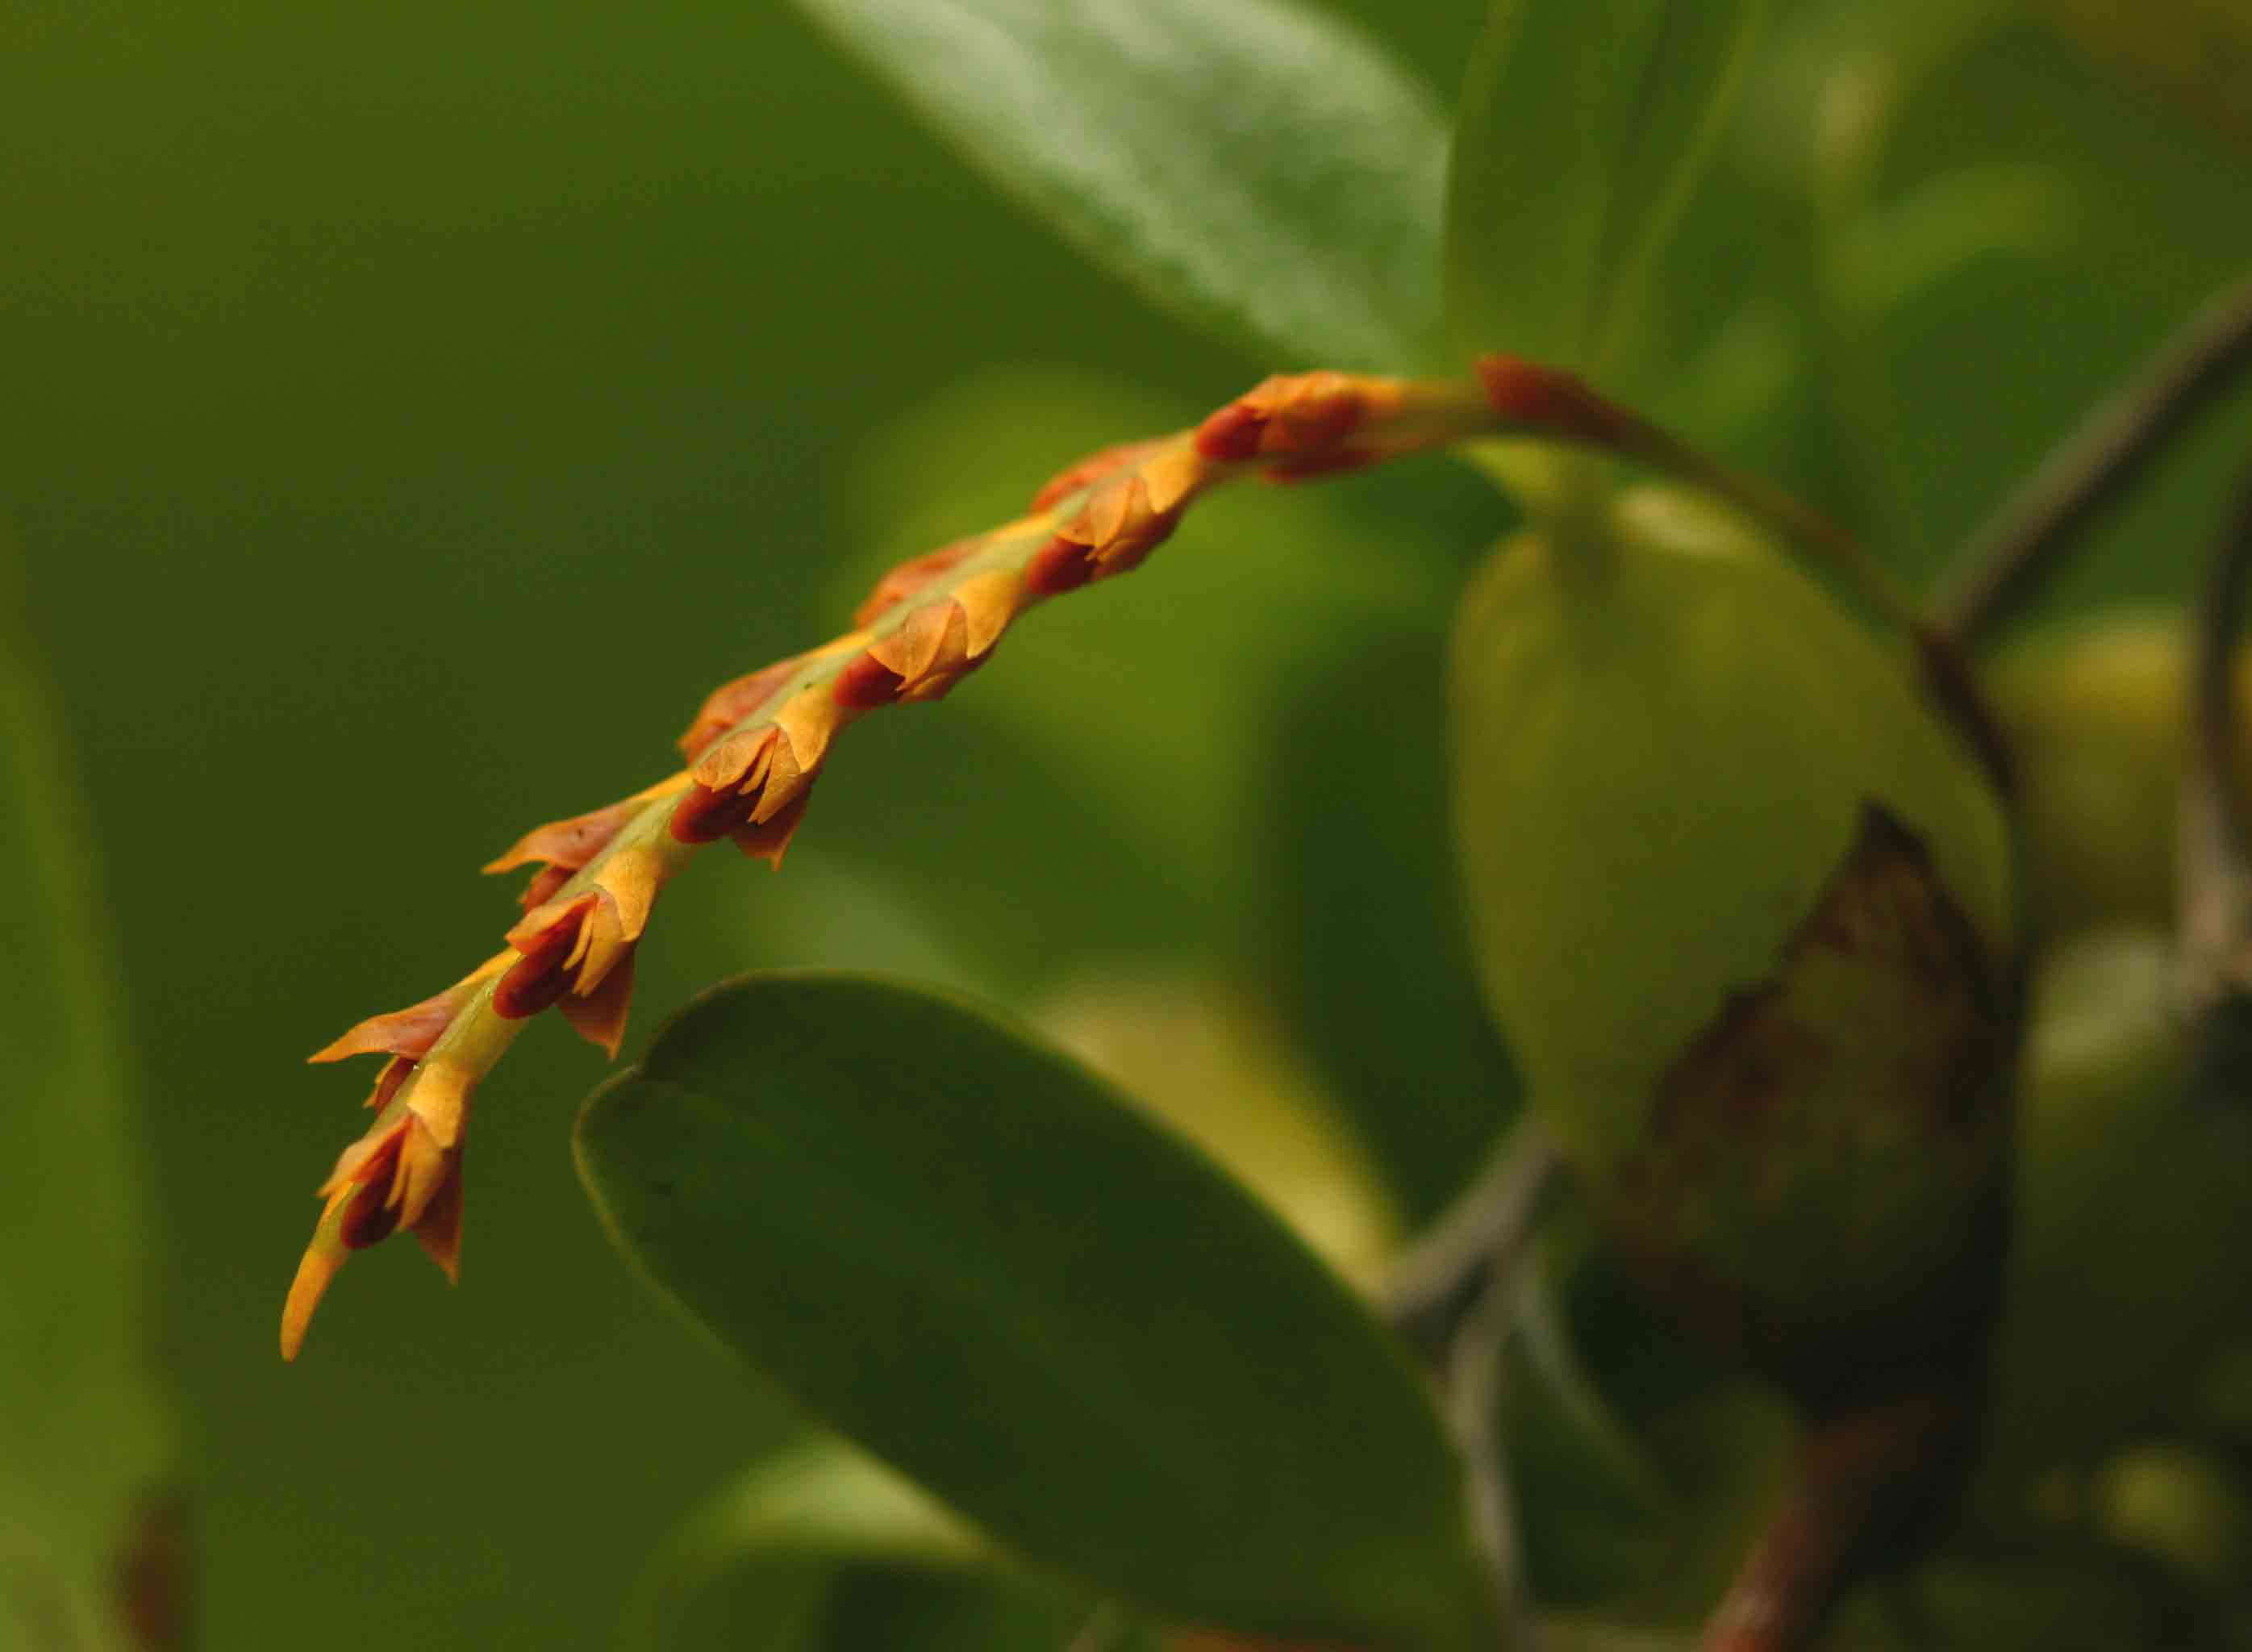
(759,743)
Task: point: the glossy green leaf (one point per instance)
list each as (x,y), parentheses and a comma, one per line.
(87,1544)
(1584,133)
(1253,163)
(961,1250)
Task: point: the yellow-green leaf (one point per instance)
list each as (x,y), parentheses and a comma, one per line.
(89,1538)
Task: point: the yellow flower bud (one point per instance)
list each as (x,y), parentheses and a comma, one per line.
(2098,719)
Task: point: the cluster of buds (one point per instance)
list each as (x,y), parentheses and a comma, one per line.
(758,743)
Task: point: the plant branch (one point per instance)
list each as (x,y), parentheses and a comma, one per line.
(2217,843)
(1476,1369)
(1861,1478)
(1558,404)
(1455,1293)
(1480,1236)
(1564,403)
(2028,537)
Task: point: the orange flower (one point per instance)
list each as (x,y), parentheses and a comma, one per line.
(405,1172)
(755,748)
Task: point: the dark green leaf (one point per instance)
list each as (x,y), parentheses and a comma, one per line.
(907,1611)
(962,1251)
(1584,131)
(1255,163)
(85,1438)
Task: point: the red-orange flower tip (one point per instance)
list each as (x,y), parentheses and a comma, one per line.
(1291,416)
(1526,392)
(405,1172)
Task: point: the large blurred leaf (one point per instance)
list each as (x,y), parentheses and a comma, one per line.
(1583,132)
(2133,1209)
(1892,254)
(823,1549)
(86,1540)
(1254,163)
(960,1249)
(796,1518)
(912,1610)
(2198,54)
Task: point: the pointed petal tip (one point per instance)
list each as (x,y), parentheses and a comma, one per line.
(599,1017)
(438,1229)
(339,1049)
(315,1269)
(408,1033)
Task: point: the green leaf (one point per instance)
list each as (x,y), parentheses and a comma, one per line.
(808,1511)
(1891,255)
(911,1611)
(822,1547)
(86,1447)
(2196,54)
(1254,163)
(1584,132)
(963,1252)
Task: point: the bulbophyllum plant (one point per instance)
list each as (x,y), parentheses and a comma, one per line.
(1741,822)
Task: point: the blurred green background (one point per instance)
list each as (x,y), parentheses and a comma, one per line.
(407,414)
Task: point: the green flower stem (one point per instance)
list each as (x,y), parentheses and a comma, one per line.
(1433,415)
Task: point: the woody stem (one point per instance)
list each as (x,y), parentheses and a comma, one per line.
(1862,1477)
(2028,537)
(2215,841)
